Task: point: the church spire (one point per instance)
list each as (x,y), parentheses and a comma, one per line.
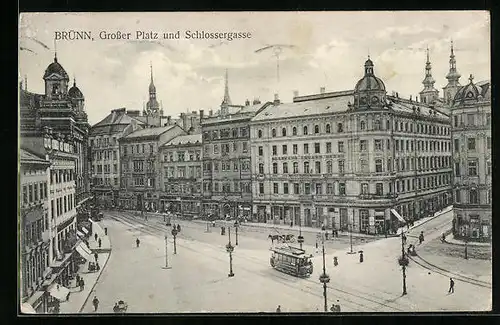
(453,76)
(429,94)
(152,88)
(224,107)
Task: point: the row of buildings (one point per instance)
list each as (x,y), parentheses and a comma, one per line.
(359,159)
(54,190)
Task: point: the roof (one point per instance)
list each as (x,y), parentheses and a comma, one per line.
(28,157)
(184,139)
(406,106)
(75,92)
(150,132)
(250,108)
(305,108)
(116,117)
(55,67)
(289,251)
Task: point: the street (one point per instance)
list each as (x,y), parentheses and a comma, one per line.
(198,281)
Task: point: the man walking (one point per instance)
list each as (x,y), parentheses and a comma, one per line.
(95,237)
(137,242)
(96,256)
(452,286)
(100,242)
(95,302)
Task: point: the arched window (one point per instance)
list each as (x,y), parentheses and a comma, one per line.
(378,165)
(388,125)
(328,128)
(329,169)
(340,128)
(259,133)
(305,130)
(306,167)
(362,125)
(295,167)
(275,168)
(261,168)
(235,133)
(294,131)
(316,129)
(283,132)
(377,125)
(273,133)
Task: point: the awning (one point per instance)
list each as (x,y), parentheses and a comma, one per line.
(84,253)
(27,309)
(85,230)
(400,218)
(59,292)
(97,227)
(80,233)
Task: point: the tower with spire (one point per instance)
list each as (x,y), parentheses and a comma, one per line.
(152,110)
(453,76)
(429,94)
(226,102)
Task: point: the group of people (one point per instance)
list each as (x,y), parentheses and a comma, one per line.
(98,240)
(80,282)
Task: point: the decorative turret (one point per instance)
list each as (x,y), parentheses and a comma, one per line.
(370,90)
(429,94)
(56,80)
(453,79)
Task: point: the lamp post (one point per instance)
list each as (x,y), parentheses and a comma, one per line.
(236,226)
(403,262)
(350,237)
(174,233)
(166,254)
(324,278)
(230,249)
(466,240)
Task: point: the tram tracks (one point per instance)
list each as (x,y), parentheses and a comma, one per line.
(284,279)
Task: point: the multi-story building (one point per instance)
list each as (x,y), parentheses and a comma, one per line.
(140,166)
(181,181)
(105,155)
(227,174)
(346,159)
(34,229)
(472,159)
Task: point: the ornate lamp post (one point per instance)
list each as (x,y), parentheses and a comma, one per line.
(236,226)
(324,278)
(230,249)
(166,254)
(174,233)
(300,239)
(403,262)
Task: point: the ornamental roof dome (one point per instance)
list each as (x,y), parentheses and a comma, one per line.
(369,81)
(75,92)
(55,67)
(469,92)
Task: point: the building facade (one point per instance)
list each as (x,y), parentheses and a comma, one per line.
(105,156)
(181,181)
(345,159)
(34,229)
(140,166)
(472,160)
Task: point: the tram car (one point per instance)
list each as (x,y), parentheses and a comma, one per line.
(292,260)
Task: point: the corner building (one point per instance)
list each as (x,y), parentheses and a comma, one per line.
(345,159)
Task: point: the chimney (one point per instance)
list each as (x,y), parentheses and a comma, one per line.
(169,119)
(201,115)
(193,121)
(210,112)
(247,102)
(184,121)
(194,112)
(256,101)
(276,99)
(295,93)
(322,90)
(411,98)
(397,95)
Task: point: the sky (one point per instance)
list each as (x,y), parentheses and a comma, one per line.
(318,49)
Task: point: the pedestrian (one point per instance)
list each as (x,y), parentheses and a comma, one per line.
(335,261)
(77,280)
(137,242)
(95,302)
(116,308)
(106,231)
(82,284)
(421,237)
(100,242)
(337,307)
(291,224)
(278,310)
(96,256)
(97,267)
(452,286)
(95,237)
(361,257)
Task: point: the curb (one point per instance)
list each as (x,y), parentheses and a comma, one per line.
(97,280)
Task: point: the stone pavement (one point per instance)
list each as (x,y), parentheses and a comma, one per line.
(77,298)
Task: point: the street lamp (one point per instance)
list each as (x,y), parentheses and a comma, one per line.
(350,236)
(324,278)
(166,254)
(403,262)
(230,249)
(236,226)
(174,233)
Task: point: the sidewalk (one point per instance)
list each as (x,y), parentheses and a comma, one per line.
(450,240)
(420,222)
(77,298)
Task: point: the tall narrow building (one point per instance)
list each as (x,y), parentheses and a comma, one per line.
(429,94)
(453,77)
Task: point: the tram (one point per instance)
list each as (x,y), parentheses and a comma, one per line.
(291,260)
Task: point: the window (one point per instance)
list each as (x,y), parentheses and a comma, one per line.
(295,149)
(245,148)
(319,188)
(340,128)
(389,165)
(363,165)
(283,132)
(295,167)
(379,189)
(275,188)
(362,145)
(329,188)
(377,125)
(275,168)
(261,151)
(378,144)
(471,143)
(456,143)
(306,148)
(284,149)
(362,125)
(316,148)
(259,133)
(328,147)
(341,188)
(473,196)
(488,168)
(472,165)
(488,142)
(328,128)
(261,188)
(273,133)
(306,167)
(364,188)
(307,188)
(457,196)
(275,150)
(296,188)
(317,166)
(285,188)
(341,166)
(285,168)
(261,168)
(216,149)
(294,131)
(316,129)
(305,130)
(470,119)
(341,146)
(378,166)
